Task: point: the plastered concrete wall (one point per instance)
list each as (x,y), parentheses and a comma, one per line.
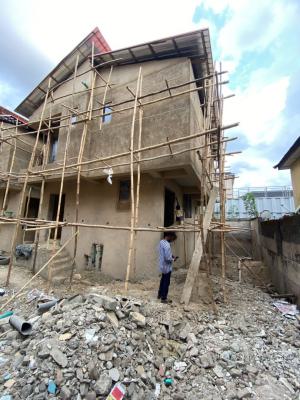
(280,240)
(23,153)
(98,205)
(172,118)
(7,231)
(295,175)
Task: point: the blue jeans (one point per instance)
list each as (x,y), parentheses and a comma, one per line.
(164,286)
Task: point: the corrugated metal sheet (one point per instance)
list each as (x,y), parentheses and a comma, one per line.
(271,203)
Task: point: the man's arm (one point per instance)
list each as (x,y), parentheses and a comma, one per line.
(168,253)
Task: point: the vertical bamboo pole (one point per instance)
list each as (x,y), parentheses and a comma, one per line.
(21,202)
(132,219)
(63,175)
(79,160)
(222,197)
(27,209)
(138,182)
(10,171)
(42,191)
(104,97)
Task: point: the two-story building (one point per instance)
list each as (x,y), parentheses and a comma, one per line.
(176,101)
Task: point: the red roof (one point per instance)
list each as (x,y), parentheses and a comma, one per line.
(11,116)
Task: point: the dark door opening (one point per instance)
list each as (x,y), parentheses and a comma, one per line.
(31,211)
(53,207)
(169,207)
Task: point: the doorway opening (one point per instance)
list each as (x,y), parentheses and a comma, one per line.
(169,207)
(53,207)
(31,211)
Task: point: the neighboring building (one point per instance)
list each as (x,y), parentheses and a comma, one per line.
(165,182)
(291,161)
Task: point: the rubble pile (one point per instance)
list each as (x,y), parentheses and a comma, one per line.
(84,345)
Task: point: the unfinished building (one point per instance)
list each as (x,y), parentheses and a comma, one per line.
(121,143)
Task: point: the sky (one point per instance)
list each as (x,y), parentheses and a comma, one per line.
(258,43)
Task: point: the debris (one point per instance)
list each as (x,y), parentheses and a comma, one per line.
(287,309)
(2,292)
(90,336)
(6,314)
(8,384)
(117,392)
(168,381)
(103,384)
(180,366)
(59,357)
(138,318)
(114,374)
(22,326)
(157,390)
(51,387)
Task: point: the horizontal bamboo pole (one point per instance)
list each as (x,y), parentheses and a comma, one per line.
(142,149)
(42,173)
(113,111)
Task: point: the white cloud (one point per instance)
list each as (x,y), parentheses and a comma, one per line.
(258,172)
(59,26)
(250,25)
(259,108)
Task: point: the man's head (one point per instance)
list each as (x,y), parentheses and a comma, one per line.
(170,236)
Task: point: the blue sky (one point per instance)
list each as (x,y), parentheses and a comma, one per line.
(257,42)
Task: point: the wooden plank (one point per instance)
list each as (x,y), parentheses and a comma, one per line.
(198,252)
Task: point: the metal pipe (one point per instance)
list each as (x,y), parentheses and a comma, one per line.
(46,306)
(22,326)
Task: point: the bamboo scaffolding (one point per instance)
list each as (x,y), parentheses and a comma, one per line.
(21,202)
(212,133)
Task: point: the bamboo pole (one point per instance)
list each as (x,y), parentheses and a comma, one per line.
(222,194)
(42,191)
(26,210)
(104,97)
(138,181)
(114,105)
(21,202)
(132,219)
(10,171)
(143,149)
(80,155)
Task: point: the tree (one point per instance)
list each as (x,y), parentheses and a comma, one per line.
(250,204)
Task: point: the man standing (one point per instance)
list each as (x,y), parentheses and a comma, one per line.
(165,264)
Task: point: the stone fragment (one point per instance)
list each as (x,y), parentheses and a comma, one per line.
(114,374)
(218,370)
(59,357)
(244,393)
(103,384)
(113,319)
(108,303)
(138,318)
(207,360)
(91,396)
(8,384)
(65,393)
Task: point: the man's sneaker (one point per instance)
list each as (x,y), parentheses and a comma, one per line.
(166,301)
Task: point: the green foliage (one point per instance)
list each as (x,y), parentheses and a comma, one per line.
(250,204)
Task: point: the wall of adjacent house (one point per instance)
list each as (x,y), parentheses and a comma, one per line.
(99,205)
(171,118)
(295,175)
(24,145)
(279,242)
